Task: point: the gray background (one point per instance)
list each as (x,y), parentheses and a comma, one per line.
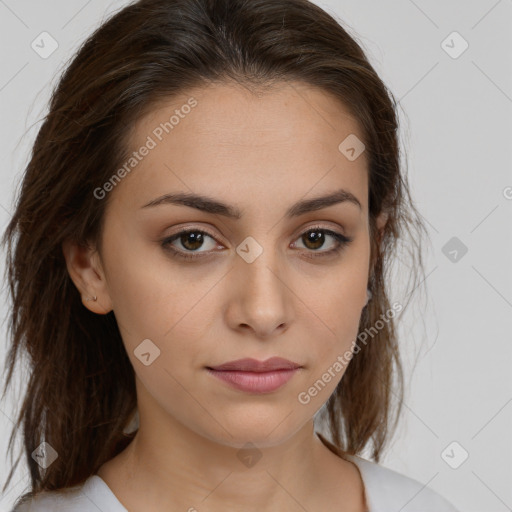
(456,115)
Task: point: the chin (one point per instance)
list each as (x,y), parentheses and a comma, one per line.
(274,431)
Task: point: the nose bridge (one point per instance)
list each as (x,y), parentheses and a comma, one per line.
(262,292)
(258,261)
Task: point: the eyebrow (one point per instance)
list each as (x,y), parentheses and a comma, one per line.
(210,205)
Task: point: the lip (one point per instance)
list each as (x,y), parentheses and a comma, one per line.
(255,382)
(254,376)
(253,365)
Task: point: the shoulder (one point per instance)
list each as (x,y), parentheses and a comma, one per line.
(389,490)
(71,499)
(92,495)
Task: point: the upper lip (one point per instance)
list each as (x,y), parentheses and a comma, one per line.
(253,365)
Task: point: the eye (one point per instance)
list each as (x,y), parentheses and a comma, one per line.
(314,238)
(190,240)
(193,239)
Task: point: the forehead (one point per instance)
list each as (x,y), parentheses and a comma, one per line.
(222,138)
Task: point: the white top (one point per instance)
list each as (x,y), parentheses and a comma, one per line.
(385,490)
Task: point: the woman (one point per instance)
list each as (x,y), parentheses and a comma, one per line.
(197,266)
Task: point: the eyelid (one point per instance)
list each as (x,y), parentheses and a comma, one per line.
(196,229)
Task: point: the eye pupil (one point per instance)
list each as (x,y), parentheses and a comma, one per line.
(317,237)
(196,238)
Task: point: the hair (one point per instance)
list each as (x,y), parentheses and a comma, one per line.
(80,394)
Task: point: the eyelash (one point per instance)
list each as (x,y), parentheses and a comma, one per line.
(341,240)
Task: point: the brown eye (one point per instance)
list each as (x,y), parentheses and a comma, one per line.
(190,240)
(315,238)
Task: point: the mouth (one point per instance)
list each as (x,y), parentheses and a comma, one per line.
(254,376)
(253,365)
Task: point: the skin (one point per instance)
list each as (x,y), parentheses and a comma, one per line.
(262,154)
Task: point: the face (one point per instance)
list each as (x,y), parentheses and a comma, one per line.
(259,272)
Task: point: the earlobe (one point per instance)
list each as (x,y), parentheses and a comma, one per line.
(85,270)
(381,221)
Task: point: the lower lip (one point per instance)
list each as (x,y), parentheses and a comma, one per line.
(255,382)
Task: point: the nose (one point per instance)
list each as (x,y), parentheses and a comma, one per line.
(262,301)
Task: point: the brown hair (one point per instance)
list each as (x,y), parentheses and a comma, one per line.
(81,389)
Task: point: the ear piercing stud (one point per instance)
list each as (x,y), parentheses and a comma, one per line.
(91,298)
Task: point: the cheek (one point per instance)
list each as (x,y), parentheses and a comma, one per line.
(336,321)
(333,308)
(337,314)
(156,299)
(337,295)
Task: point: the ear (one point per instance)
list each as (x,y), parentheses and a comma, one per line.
(85,269)
(380,223)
